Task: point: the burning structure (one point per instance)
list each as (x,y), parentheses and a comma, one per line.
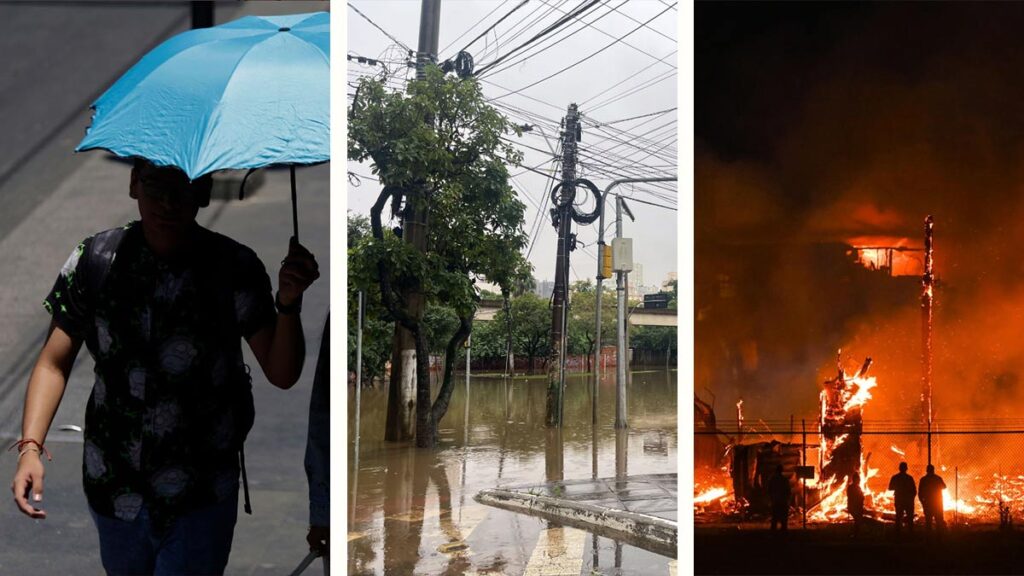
(841,425)
(806,243)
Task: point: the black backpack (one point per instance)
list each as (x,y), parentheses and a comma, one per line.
(98,260)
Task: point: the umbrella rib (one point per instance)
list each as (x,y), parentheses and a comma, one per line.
(206,121)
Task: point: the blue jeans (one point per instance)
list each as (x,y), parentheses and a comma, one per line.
(197,543)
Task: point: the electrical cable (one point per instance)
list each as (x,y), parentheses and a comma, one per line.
(633,90)
(556,41)
(651,28)
(470,29)
(624,80)
(580,61)
(500,20)
(551,28)
(514,32)
(385,32)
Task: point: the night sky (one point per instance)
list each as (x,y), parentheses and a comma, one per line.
(819,123)
(816,95)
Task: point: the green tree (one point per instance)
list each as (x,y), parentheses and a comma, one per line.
(656,340)
(376,328)
(583,316)
(530,318)
(672,287)
(488,340)
(451,169)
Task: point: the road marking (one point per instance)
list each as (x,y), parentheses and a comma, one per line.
(559,552)
(471,518)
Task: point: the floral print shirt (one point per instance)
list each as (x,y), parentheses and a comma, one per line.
(172,400)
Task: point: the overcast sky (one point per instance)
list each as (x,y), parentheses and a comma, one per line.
(623,81)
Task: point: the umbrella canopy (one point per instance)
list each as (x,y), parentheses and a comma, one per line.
(250,93)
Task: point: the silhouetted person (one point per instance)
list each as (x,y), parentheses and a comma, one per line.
(855,502)
(778,492)
(318,450)
(904,490)
(163,305)
(930,493)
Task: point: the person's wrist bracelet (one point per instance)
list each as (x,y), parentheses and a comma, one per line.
(25,444)
(289,310)
(27,450)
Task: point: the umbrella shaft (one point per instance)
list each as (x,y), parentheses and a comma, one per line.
(295,208)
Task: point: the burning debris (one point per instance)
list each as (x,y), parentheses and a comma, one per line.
(840,456)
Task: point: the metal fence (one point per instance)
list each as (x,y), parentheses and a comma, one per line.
(980,461)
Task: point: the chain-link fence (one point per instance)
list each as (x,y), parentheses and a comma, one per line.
(981,463)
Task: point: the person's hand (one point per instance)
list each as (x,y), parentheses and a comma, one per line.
(29,479)
(319,538)
(298,270)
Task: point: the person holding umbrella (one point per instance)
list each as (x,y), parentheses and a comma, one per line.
(162,305)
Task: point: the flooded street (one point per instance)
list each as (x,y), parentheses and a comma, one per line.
(411,511)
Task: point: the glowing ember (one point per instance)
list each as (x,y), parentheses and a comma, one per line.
(897,450)
(710,495)
(961,507)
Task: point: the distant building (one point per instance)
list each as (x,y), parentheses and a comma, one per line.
(545,288)
(671,277)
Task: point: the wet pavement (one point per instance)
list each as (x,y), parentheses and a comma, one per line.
(412,511)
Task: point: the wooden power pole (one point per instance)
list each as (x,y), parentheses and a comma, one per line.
(401,416)
(562,220)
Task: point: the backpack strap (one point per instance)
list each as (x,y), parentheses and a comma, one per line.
(219,274)
(99,258)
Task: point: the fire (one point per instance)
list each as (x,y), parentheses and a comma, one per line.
(863,392)
(840,455)
(844,453)
(961,507)
(710,495)
(892,254)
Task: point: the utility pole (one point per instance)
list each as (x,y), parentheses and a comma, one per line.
(927,304)
(401,417)
(621,353)
(603,269)
(202,14)
(359,386)
(562,220)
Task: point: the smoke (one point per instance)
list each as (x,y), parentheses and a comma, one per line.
(906,110)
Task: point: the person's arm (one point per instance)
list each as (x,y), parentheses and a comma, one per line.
(45,390)
(280,347)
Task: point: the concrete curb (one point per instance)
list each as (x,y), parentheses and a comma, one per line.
(641,530)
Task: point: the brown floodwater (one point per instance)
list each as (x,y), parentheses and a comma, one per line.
(411,511)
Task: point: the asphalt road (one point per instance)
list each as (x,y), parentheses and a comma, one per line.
(59,56)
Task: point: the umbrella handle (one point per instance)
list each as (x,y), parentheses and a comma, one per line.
(304,564)
(295,209)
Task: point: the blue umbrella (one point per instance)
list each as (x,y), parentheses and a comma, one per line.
(243,95)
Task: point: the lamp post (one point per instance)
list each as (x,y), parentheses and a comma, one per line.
(600,277)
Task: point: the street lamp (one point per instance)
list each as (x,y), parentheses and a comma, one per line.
(620,384)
